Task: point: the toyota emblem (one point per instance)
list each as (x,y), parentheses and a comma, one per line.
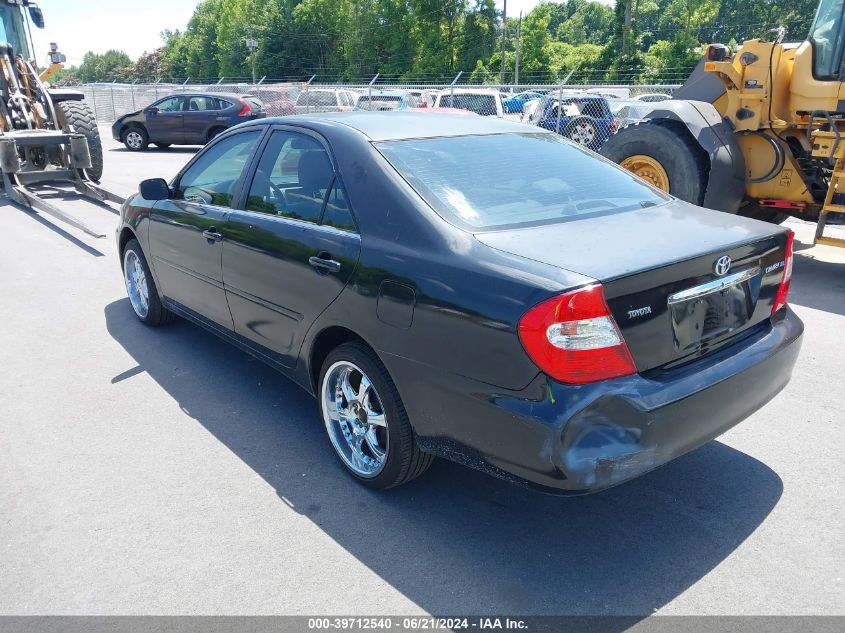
(722,265)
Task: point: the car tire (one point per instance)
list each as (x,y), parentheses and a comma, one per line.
(78,115)
(584,130)
(668,153)
(141,288)
(381,454)
(135,138)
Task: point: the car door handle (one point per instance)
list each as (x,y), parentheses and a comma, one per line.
(212,235)
(328,265)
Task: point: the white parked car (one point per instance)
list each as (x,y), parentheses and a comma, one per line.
(478,100)
(325,100)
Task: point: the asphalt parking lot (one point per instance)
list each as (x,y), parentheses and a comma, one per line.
(162,471)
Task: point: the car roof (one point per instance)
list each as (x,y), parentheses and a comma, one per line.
(473,91)
(220,95)
(392,126)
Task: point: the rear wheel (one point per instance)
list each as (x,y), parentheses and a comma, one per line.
(214,132)
(77,115)
(141,288)
(366,421)
(663,155)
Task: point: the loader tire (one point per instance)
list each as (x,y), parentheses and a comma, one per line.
(664,154)
(79,116)
(766,214)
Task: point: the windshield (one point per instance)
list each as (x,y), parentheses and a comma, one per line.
(12,30)
(826,35)
(509,180)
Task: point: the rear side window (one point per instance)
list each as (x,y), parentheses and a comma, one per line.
(337,212)
(545,179)
(201,104)
(213,177)
(292,178)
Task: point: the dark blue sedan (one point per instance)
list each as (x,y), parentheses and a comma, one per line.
(586,119)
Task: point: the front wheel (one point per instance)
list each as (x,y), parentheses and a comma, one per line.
(366,421)
(583,130)
(78,116)
(135,139)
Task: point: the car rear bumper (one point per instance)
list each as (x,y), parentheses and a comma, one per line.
(569,439)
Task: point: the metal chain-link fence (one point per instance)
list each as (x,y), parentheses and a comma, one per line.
(587,114)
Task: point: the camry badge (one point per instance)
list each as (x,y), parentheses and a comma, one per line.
(722,265)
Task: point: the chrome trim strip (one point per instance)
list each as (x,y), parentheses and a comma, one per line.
(714,286)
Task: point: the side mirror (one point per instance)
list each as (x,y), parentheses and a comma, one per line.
(154,189)
(152,110)
(37,16)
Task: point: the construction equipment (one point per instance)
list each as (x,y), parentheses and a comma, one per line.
(756,132)
(48,136)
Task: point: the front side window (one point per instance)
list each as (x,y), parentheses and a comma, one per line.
(828,39)
(544,180)
(213,177)
(292,177)
(172,104)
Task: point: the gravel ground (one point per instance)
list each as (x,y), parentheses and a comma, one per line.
(164,472)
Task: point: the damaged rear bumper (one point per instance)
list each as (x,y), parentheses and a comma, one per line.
(570,439)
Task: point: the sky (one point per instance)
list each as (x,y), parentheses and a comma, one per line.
(132,26)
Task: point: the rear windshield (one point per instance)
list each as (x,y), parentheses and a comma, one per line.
(487,182)
(380,102)
(484,105)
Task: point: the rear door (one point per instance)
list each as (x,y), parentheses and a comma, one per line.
(165,120)
(201,113)
(186,232)
(288,254)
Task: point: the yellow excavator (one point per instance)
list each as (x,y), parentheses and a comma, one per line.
(48,136)
(757,132)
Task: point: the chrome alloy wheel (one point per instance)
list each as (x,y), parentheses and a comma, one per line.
(134,139)
(583,133)
(355,419)
(136,283)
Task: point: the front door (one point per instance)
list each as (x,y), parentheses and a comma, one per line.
(293,248)
(164,120)
(186,232)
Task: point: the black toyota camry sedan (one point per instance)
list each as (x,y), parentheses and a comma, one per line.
(469,288)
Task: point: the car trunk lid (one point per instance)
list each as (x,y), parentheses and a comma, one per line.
(659,269)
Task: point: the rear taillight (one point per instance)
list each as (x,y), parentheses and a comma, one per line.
(245,110)
(574,339)
(613,127)
(780,299)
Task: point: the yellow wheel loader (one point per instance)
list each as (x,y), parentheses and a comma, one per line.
(47,136)
(756,132)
